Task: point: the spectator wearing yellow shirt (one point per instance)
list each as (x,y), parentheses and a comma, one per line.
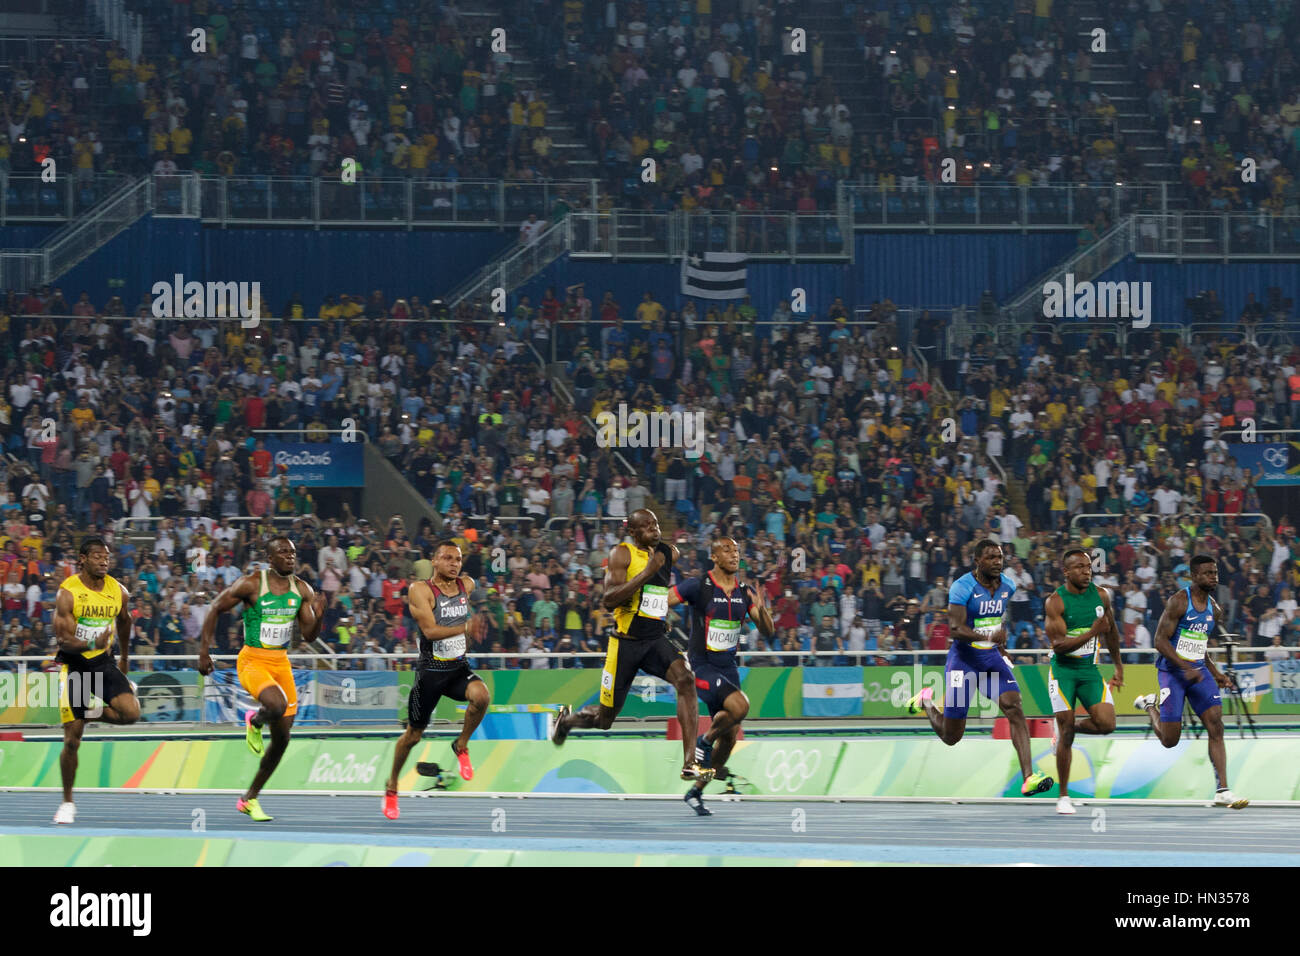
(1058,506)
(83,413)
(349,307)
(1056,412)
(159,141)
(1088,484)
(649,311)
(537,113)
(182,140)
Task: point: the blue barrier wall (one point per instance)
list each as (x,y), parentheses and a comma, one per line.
(1172,284)
(910,269)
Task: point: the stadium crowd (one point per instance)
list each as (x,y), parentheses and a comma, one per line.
(1005,86)
(855,484)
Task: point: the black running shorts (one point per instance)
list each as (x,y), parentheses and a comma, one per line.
(430,687)
(625,657)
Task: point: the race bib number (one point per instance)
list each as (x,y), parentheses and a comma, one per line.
(1087,650)
(654,601)
(1191,645)
(275,635)
(90,633)
(449,648)
(986,627)
(723,635)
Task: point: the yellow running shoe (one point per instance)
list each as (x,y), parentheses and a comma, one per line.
(253,809)
(253,733)
(919,701)
(1036,783)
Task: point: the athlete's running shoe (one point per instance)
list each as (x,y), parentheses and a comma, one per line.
(462,757)
(561,730)
(253,809)
(1063,805)
(67,813)
(695,800)
(1036,783)
(390,805)
(1225,798)
(252,733)
(695,772)
(1143,701)
(703,752)
(919,701)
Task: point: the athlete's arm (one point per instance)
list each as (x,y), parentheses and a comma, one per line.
(759,612)
(65,627)
(684,592)
(1174,611)
(420,595)
(310,614)
(1112,638)
(1219,677)
(123,623)
(242,591)
(1056,630)
(957,624)
(618,588)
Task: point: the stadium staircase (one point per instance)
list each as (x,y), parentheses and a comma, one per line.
(82,236)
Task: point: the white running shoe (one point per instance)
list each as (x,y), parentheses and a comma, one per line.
(1224,798)
(1063,805)
(1144,701)
(67,813)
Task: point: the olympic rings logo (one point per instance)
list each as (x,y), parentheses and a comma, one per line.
(1277,457)
(791,771)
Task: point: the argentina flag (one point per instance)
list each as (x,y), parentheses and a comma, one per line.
(832,691)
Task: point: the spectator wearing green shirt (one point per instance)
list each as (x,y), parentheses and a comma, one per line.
(545,608)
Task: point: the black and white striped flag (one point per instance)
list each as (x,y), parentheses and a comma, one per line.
(714,275)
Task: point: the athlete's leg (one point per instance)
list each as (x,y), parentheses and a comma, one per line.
(1165,712)
(950,722)
(593,715)
(1015,715)
(688,706)
(1064,741)
(273,703)
(1213,721)
(72,732)
(735,709)
(613,692)
(409,739)
(269,713)
(1100,719)
(124,709)
(477,699)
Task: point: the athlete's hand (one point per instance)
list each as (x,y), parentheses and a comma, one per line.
(758,595)
(1118,680)
(1193,675)
(1222,680)
(105,637)
(318,605)
(999,637)
(656,562)
(205,663)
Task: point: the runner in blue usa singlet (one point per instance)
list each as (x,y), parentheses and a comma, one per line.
(977,603)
